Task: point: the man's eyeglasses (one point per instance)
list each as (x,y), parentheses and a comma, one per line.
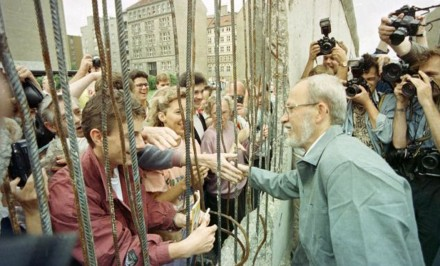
(289,109)
(140,85)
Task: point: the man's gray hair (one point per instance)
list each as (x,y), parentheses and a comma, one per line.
(329,90)
(45,108)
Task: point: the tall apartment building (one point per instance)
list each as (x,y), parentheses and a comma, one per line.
(75,51)
(22,34)
(151,36)
(225,46)
(90,45)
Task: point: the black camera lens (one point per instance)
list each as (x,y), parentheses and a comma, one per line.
(398,36)
(327,48)
(391,72)
(430,162)
(409,90)
(352,90)
(96,62)
(240,99)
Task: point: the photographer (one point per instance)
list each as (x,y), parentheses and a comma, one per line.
(336,61)
(369,118)
(417,132)
(407,50)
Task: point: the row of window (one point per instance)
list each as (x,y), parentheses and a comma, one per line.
(151,52)
(165,66)
(149,10)
(150,38)
(223,49)
(223,68)
(136,28)
(223,29)
(228,38)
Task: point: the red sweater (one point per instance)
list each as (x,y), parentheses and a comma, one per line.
(64,218)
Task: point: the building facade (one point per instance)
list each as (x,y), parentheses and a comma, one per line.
(75,51)
(151,36)
(23,37)
(90,45)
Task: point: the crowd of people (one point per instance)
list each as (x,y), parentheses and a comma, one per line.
(367,172)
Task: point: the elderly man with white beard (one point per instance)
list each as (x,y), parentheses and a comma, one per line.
(355,210)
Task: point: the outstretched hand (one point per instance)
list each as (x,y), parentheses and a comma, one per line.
(228,171)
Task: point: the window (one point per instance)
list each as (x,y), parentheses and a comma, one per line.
(228,68)
(222,68)
(150,52)
(149,25)
(228,38)
(228,48)
(165,36)
(210,50)
(222,49)
(164,22)
(165,50)
(222,39)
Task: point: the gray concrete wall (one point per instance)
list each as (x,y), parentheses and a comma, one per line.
(304,17)
(434,34)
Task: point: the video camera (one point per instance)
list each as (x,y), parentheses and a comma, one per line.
(20,165)
(326,44)
(406,26)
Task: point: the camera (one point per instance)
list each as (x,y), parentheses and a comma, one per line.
(326,44)
(392,71)
(20,165)
(429,163)
(240,99)
(409,89)
(353,86)
(406,26)
(33,94)
(96,62)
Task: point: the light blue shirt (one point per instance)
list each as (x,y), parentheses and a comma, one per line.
(355,210)
(382,135)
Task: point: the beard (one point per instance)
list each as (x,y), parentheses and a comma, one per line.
(305,132)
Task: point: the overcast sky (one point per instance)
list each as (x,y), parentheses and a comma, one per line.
(368,14)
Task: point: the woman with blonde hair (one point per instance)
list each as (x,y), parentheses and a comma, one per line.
(170,184)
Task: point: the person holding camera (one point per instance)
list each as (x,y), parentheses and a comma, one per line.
(334,53)
(369,118)
(416,130)
(242,101)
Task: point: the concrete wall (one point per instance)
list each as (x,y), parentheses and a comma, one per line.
(200,35)
(304,17)
(434,34)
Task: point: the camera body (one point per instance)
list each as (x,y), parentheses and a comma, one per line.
(406,26)
(326,44)
(96,62)
(353,86)
(409,90)
(429,163)
(392,71)
(20,165)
